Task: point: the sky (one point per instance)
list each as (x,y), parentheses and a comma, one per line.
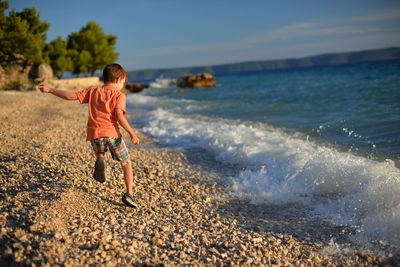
(182,33)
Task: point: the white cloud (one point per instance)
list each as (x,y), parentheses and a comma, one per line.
(344,44)
(385,15)
(307,30)
(304,29)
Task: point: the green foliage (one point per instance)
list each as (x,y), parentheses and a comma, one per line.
(91,49)
(57,55)
(3,7)
(81,61)
(3,19)
(22,33)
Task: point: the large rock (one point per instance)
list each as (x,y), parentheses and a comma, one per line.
(202,80)
(135,87)
(41,72)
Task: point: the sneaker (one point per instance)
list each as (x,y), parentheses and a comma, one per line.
(99,173)
(129,201)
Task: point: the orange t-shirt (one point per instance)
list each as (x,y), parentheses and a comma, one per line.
(102,101)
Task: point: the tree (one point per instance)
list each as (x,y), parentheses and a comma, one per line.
(57,55)
(80,61)
(22,33)
(91,47)
(3,7)
(3,19)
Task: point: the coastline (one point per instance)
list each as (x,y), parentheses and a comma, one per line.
(53,212)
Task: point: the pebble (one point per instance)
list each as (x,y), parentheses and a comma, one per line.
(257,240)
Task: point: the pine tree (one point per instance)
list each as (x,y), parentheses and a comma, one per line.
(22,33)
(56,54)
(91,48)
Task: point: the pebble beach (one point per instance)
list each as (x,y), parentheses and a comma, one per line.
(53,213)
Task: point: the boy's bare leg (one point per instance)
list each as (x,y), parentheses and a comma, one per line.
(128,176)
(99,173)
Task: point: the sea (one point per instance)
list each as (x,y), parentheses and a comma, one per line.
(326,137)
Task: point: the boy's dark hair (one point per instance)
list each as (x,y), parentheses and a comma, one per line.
(113,72)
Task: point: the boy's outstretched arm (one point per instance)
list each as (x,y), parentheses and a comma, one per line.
(67,95)
(125,124)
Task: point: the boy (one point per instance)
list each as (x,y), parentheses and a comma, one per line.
(106,107)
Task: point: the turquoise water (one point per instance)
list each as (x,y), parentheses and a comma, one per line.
(326,137)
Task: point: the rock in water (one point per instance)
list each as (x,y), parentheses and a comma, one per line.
(202,80)
(135,87)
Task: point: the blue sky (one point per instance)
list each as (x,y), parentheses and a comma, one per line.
(162,34)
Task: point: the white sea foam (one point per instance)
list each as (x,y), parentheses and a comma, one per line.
(280,167)
(150,103)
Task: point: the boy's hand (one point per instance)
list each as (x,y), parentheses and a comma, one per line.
(134,139)
(44,88)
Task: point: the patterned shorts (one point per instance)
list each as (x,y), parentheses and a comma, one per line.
(117,147)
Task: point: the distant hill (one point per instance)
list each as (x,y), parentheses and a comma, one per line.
(268,65)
